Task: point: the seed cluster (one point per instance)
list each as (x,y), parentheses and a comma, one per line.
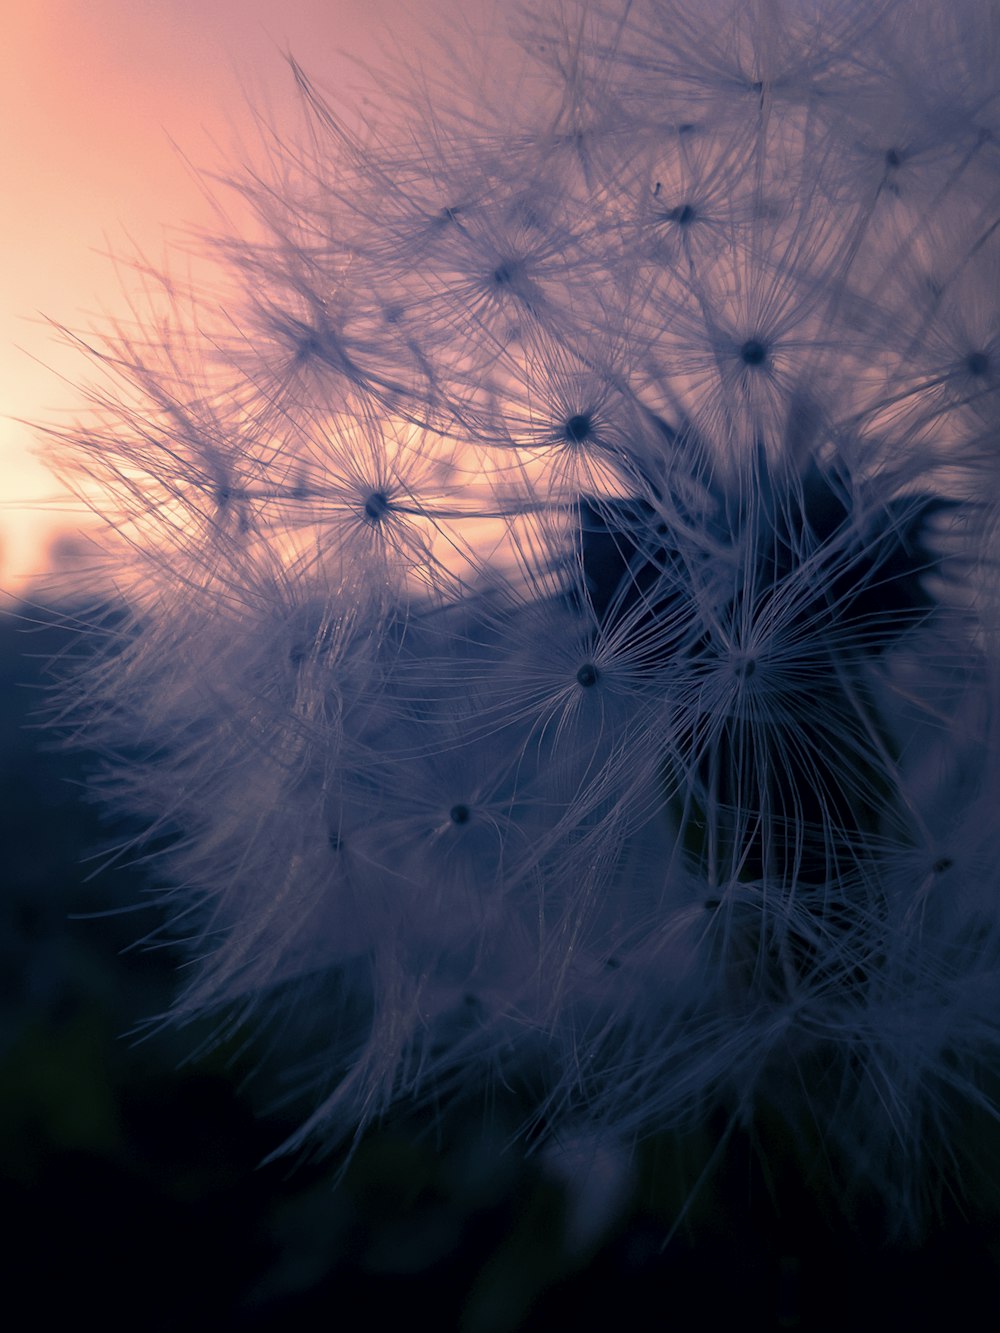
(561,622)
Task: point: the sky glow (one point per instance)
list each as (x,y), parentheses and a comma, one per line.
(113,108)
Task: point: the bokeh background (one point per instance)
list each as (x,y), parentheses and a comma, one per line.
(133,1175)
(114,112)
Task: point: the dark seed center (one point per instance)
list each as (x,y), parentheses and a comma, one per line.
(977,363)
(683,215)
(376,506)
(578,428)
(753,352)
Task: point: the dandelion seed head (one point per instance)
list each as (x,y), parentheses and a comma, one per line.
(561,621)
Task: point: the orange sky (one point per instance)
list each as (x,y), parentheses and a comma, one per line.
(93,98)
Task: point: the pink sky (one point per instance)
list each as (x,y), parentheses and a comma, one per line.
(93,98)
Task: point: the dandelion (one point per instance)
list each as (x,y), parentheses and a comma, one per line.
(562,634)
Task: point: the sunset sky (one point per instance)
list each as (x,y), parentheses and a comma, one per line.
(108,106)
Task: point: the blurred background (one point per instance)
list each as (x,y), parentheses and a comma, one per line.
(134,1178)
(110,110)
